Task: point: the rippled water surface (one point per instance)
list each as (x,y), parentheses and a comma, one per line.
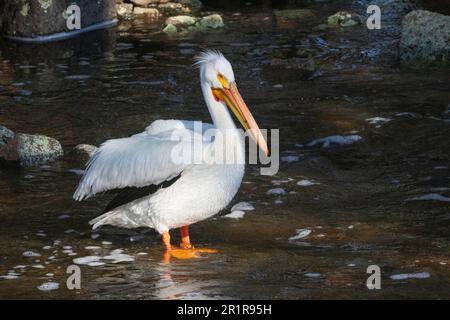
(365,208)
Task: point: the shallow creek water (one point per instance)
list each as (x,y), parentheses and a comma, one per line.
(365,207)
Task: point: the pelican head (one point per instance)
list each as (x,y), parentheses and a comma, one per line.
(220,89)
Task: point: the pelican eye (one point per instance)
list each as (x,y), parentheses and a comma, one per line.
(223,81)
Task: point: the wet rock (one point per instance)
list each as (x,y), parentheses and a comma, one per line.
(344,19)
(321,27)
(213,21)
(295,14)
(143,3)
(170,29)
(193,5)
(180,8)
(183,21)
(83,152)
(149,12)
(33,18)
(124,11)
(425,36)
(172,9)
(336,140)
(5,135)
(27,149)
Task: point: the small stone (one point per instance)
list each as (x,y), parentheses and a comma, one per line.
(276,191)
(5,135)
(212,21)
(237,214)
(181,7)
(173,9)
(182,21)
(124,10)
(30,254)
(170,29)
(83,152)
(344,19)
(149,12)
(143,3)
(48,286)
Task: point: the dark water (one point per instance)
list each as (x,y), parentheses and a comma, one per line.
(306,82)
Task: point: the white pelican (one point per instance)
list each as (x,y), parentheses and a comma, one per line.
(161,193)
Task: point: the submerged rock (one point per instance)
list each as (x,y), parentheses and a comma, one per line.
(305,67)
(83,152)
(170,29)
(27,149)
(336,140)
(213,21)
(425,36)
(295,14)
(344,19)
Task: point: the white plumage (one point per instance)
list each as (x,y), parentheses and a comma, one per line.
(139,160)
(201,189)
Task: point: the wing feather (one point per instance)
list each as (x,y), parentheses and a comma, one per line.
(139,160)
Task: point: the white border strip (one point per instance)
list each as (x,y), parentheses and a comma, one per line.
(63,35)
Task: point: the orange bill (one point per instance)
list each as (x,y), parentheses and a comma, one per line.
(234,101)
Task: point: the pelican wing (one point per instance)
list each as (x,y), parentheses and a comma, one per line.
(140,160)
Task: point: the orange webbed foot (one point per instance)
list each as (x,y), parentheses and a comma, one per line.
(186,249)
(186,254)
(190,253)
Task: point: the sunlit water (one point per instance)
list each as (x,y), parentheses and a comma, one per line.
(360,211)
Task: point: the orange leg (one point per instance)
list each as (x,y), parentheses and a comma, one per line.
(186,250)
(185,241)
(166,240)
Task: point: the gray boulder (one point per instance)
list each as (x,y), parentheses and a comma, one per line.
(425,36)
(27,149)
